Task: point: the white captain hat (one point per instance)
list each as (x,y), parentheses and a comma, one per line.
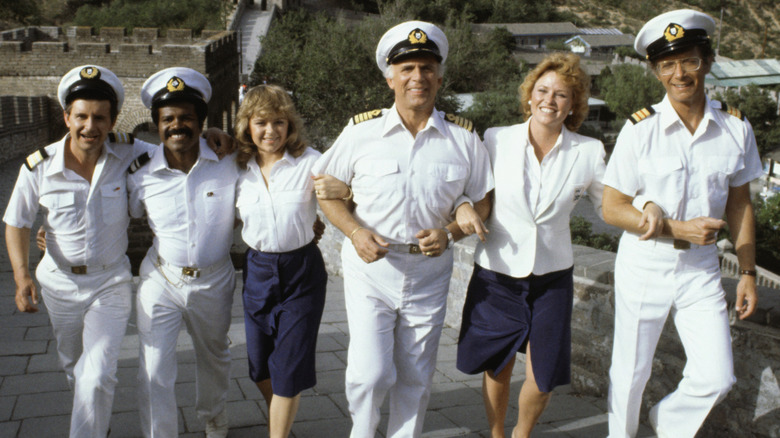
(176,84)
(674,31)
(409,39)
(90,82)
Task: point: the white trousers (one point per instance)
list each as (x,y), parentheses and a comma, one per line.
(88,315)
(651,281)
(166,299)
(395,309)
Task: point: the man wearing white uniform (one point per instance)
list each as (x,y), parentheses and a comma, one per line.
(85,275)
(187,275)
(408,167)
(683,163)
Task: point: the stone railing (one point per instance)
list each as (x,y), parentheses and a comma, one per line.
(729,265)
(752,408)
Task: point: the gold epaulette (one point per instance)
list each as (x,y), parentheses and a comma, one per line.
(121,137)
(35,158)
(368,115)
(466,124)
(641,115)
(734,111)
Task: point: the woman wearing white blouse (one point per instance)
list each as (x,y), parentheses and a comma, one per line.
(520,295)
(284,273)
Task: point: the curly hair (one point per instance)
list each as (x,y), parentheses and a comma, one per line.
(267,101)
(567,66)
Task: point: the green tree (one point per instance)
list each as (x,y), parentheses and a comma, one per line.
(333,75)
(186,14)
(768,233)
(24,12)
(760,109)
(497,107)
(628,88)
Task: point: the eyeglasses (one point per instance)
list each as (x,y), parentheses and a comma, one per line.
(667,68)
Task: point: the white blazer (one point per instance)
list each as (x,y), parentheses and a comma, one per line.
(521,243)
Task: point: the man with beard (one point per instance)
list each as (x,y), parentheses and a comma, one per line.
(187,275)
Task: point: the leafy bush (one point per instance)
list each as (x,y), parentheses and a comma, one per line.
(582,234)
(169,14)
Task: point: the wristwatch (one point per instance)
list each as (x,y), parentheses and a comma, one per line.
(450,239)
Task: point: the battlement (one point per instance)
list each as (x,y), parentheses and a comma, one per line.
(36,51)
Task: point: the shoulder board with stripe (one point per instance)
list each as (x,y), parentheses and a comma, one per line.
(734,111)
(138,163)
(368,115)
(121,137)
(641,115)
(35,158)
(466,124)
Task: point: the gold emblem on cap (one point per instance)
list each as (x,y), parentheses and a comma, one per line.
(175,84)
(417,36)
(673,32)
(89,73)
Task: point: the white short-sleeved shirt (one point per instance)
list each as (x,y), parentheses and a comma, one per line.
(687,175)
(403,184)
(191,214)
(85,223)
(278,217)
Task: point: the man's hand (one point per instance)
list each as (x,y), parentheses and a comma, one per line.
(40,239)
(369,246)
(703,230)
(470,222)
(328,187)
(747,298)
(319,229)
(26,295)
(432,242)
(219,142)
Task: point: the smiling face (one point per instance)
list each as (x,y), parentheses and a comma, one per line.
(89,122)
(179,126)
(415,82)
(551,100)
(686,88)
(269,133)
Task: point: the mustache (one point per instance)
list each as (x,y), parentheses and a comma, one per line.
(186,131)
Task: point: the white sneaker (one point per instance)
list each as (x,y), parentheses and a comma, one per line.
(217,427)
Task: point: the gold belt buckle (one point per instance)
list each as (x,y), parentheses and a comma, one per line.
(681,244)
(79,270)
(414,249)
(191,272)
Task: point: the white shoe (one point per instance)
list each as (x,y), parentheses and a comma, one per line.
(217,427)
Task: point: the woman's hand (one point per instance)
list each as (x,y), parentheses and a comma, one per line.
(328,187)
(470,222)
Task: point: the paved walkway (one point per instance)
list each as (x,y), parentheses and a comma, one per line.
(35,400)
(253,24)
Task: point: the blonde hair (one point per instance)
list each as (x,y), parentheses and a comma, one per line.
(567,66)
(267,101)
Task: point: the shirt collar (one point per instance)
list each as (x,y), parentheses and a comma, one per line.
(158,161)
(669,116)
(564,135)
(58,162)
(393,121)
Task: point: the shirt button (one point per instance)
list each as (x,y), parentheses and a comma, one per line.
(192,245)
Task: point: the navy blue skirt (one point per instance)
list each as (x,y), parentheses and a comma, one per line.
(284,296)
(502,313)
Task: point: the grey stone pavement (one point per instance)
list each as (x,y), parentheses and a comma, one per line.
(35,400)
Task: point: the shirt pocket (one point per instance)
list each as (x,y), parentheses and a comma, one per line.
(164,212)
(62,212)
(443,183)
(375,179)
(218,203)
(663,180)
(114,202)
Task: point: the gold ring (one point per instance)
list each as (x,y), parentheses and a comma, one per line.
(429,253)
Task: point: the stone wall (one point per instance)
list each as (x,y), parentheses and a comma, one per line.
(27,123)
(752,408)
(35,58)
